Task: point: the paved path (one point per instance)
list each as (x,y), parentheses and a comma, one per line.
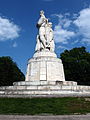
(60,117)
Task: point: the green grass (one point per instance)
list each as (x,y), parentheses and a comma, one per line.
(34,106)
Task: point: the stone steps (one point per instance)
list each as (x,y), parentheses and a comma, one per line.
(39,92)
(44,90)
(43,94)
(45,87)
(33,83)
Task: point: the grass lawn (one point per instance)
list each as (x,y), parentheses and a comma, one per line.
(55,106)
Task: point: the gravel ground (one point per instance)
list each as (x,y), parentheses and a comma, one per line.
(59,117)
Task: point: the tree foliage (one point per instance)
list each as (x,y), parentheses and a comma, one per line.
(77,65)
(9,72)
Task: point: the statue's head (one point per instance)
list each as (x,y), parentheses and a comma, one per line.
(41,12)
(50,24)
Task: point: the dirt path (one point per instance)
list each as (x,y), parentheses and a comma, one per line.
(60,117)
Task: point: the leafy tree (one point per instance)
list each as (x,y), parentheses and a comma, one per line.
(77,65)
(9,72)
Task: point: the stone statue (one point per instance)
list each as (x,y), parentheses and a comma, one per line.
(45,37)
(49,37)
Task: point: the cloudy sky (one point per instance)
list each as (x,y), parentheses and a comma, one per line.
(18,18)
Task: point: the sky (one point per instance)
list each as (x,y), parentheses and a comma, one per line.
(18,19)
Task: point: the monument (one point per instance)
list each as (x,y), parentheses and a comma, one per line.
(45,72)
(44,67)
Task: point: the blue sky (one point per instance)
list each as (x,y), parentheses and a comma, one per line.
(18,18)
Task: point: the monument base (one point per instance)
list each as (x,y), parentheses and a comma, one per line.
(45,67)
(51,89)
(44,78)
(44,91)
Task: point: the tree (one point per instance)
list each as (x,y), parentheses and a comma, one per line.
(9,72)
(77,65)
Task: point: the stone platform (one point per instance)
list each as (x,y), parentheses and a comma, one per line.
(21,89)
(47,83)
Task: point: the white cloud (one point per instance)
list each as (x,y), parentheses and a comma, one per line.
(62,35)
(83,24)
(63,20)
(8,30)
(67,23)
(86,40)
(14,44)
(75,41)
(61,32)
(78,26)
(62,47)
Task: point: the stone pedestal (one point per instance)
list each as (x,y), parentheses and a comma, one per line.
(45,67)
